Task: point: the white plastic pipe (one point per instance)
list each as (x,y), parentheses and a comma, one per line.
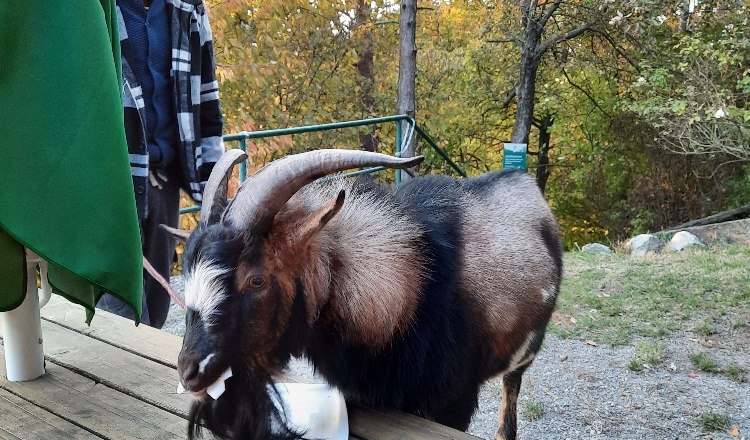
(45,293)
(22,331)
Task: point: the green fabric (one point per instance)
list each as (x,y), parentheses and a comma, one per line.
(12,272)
(65,186)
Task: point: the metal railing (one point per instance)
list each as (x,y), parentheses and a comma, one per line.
(402,139)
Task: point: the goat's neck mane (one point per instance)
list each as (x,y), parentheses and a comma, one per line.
(363,271)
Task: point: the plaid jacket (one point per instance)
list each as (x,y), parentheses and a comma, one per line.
(196,92)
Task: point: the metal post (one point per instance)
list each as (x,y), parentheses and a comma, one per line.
(22,331)
(398,150)
(243,165)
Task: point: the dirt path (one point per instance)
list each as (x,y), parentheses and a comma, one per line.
(593,395)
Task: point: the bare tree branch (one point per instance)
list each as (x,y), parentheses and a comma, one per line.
(607,37)
(509,98)
(541,50)
(585,92)
(545,18)
(505,40)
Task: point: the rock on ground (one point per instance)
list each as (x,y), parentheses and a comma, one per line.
(597,247)
(684,239)
(644,244)
(737,231)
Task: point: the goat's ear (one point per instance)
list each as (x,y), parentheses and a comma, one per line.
(179,234)
(313,223)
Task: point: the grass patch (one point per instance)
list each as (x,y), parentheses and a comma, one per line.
(613,298)
(734,372)
(647,354)
(705,328)
(714,422)
(533,410)
(704,362)
(738,323)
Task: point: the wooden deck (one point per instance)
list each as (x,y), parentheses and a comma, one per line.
(115,381)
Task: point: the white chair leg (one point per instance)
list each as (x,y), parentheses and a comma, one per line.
(22,332)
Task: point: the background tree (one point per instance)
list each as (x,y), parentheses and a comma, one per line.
(544,25)
(619,86)
(695,83)
(407,68)
(362,27)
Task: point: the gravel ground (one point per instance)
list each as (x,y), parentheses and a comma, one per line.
(588,393)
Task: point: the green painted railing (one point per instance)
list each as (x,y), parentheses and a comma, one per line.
(401,140)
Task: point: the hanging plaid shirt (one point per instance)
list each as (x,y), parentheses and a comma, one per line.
(196,94)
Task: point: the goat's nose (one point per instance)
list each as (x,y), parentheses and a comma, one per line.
(188,370)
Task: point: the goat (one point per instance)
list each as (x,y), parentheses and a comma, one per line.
(406,299)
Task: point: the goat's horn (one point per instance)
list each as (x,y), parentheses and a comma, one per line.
(215,193)
(263,195)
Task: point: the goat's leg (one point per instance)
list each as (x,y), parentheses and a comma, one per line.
(508,407)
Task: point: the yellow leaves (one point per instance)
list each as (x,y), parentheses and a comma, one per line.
(594,230)
(224,73)
(293,62)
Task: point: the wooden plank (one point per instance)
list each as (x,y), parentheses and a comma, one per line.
(143,340)
(162,348)
(126,372)
(22,420)
(106,412)
(392,425)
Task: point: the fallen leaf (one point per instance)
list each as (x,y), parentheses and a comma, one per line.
(590,342)
(734,431)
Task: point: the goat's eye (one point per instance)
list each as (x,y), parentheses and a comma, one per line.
(257,282)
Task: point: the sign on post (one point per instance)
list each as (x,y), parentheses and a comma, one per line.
(514,156)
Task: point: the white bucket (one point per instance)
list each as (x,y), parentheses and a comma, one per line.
(317,409)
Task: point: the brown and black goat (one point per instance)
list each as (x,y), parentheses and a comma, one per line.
(407,298)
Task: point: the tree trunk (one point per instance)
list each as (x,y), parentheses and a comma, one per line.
(532,35)
(685,16)
(525,98)
(367,139)
(726,216)
(407,69)
(532,51)
(543,168)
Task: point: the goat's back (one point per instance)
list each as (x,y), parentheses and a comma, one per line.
(509,258)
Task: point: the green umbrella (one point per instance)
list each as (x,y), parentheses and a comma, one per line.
(65,186)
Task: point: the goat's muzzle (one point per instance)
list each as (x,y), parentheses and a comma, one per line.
(198,372)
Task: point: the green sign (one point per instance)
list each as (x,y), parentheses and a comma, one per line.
(514,156)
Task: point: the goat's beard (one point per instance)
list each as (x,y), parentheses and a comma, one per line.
(244,411)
